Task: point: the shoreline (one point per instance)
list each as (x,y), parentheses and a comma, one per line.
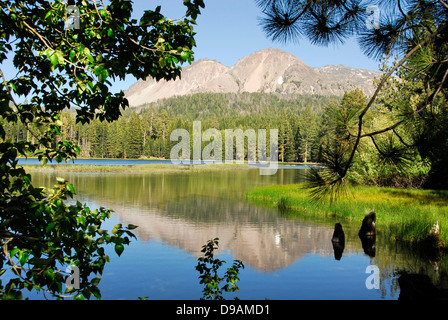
(144,168)
(159,165)
(402,214)
(310,164)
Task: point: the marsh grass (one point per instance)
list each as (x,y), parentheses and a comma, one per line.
(402,214)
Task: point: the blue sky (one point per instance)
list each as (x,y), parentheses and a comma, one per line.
(228,30)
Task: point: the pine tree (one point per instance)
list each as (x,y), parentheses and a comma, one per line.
(286,138)
(306,133)
(134,137)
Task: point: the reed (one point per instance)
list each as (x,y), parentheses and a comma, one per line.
(402,214)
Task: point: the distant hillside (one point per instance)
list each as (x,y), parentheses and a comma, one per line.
(206,106)
(264,71)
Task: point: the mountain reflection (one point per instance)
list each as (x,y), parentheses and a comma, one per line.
(254,235)
(186,210)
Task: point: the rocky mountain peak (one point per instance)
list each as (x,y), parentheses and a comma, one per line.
(268,70)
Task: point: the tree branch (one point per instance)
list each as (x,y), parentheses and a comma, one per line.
(380,85)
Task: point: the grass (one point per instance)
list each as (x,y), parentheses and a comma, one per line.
(402,214)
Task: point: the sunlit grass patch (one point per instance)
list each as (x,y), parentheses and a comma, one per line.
(402,214)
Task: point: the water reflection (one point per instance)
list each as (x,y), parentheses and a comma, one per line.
(368,245)
(338,241)
(184,210)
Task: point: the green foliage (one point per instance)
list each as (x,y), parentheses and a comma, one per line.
(58,68)
(384,158)
(412,112)
(41,235)
(208,267)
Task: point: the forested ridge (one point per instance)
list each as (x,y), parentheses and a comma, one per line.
(144,131)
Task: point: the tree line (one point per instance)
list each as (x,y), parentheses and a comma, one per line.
(145,131)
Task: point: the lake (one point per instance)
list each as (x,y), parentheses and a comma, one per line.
(177,212)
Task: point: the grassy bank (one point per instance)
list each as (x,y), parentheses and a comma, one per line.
(402,214)
(144,168)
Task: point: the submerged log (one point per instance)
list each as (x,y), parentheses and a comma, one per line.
(338,234)
(368,226)
(338,241)
(367,234)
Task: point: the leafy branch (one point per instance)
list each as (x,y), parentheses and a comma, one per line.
(208,267)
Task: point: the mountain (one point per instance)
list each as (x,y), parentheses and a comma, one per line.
(268,71)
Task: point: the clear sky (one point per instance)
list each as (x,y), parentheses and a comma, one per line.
(228,30)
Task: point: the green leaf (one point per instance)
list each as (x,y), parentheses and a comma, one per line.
(95,281)
(23,257)
(103,13)
(52,56)
(185,55)
(60,57)
(60,180)
(8,296)
(132,226)
(98,69)
(91,86)
(96,292)
(81,220)
(88,55)
(119,248)
(13,252)
(72,55)
(116,228)
(50,226)
(71,188)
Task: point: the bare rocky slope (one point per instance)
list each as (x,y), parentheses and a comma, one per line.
(268,71)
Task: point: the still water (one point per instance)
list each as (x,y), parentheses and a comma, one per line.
(177,213)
